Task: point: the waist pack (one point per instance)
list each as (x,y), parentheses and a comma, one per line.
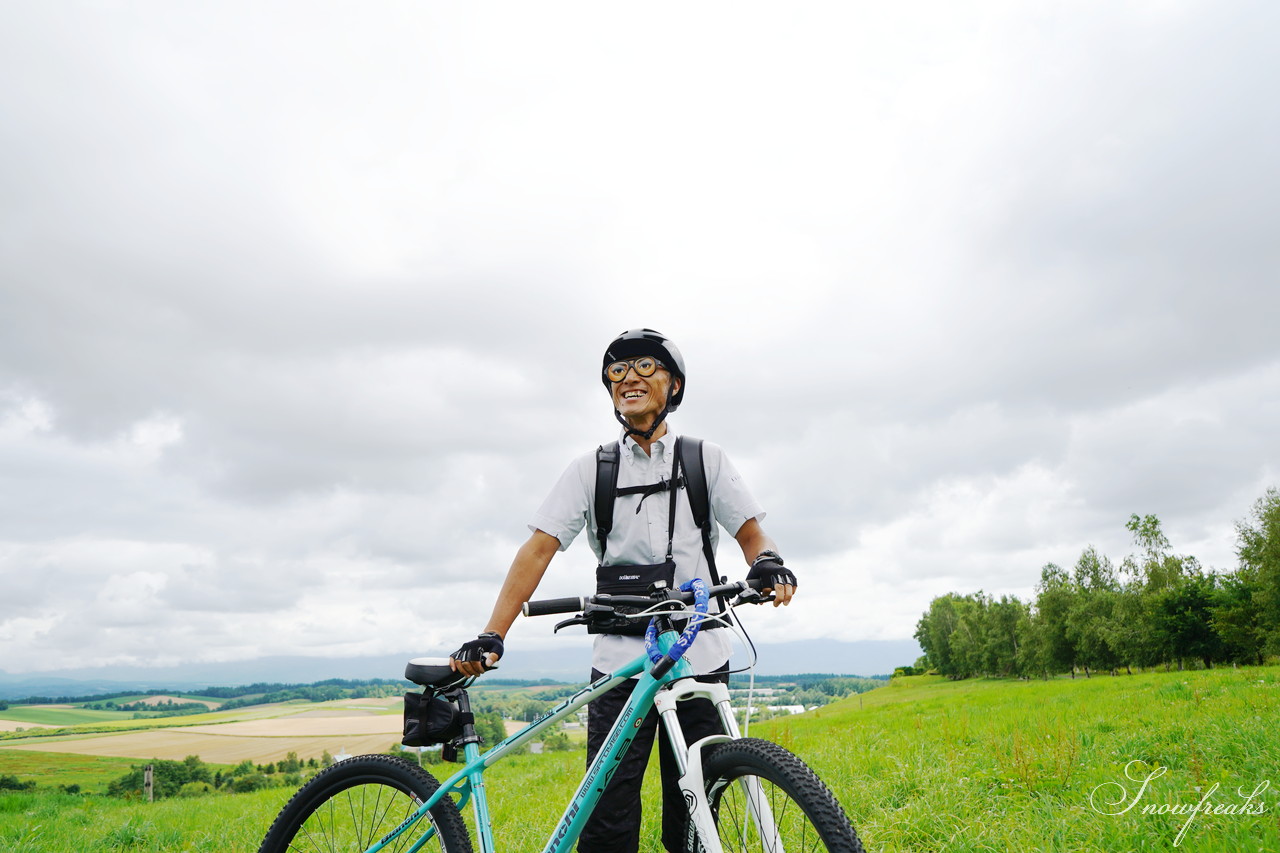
(430,719)
(627,580)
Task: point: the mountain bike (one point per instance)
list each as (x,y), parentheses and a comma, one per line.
(743,794)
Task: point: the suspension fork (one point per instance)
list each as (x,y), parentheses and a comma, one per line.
(689,766)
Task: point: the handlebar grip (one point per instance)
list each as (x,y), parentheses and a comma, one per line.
(548,606)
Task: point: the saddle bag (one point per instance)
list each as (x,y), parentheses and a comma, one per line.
(430,719)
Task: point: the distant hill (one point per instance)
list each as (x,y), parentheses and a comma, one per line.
(571,663)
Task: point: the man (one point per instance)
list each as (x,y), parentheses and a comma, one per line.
(645,375)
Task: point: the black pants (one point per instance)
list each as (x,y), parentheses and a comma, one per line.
(614,826)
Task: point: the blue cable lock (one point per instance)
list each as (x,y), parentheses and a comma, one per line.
(664,661)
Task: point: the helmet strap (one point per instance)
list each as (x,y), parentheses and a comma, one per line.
(647,434)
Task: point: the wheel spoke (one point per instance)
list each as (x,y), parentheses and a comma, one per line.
(351,805)
(765,800)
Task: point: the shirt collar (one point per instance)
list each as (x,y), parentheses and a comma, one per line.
(660,447)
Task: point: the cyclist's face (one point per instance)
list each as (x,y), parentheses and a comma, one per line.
(641,397)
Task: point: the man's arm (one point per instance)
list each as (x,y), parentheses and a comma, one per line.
(752,539)
(522,579)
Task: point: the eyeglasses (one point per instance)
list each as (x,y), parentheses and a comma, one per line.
(645,365)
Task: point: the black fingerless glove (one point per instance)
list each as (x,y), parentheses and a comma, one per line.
(768,568)
(475,650)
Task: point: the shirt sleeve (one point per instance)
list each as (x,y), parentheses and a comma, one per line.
(566,509)
(732,503)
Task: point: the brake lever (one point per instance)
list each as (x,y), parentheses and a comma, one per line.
(584,618)
(569,623)
(752,596)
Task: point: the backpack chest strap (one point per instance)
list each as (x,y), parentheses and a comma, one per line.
(646,491)
(688,472)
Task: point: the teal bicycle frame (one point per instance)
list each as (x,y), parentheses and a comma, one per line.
(662,692)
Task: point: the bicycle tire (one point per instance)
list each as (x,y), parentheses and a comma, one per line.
(807,814)
(354,803)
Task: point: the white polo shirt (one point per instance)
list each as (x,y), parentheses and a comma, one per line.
(641,538)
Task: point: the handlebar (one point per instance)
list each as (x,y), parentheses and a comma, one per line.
(694,592)
(551,606)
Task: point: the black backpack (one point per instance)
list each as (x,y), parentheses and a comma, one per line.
(691,475)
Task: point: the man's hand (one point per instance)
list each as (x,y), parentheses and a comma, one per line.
(778,578)
(475,656)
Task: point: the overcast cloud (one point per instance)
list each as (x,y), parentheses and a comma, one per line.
(302,305)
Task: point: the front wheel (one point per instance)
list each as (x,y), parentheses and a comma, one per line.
(357,802)
(765,799)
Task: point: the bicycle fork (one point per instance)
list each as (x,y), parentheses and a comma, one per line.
(689,764)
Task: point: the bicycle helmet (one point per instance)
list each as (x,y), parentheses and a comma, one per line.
(637,342)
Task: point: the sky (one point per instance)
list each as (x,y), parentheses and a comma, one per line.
(302,305)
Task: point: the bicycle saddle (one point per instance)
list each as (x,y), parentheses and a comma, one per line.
(431,672)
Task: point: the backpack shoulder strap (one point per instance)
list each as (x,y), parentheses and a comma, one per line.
(606,487)
(695,475)
(689,452)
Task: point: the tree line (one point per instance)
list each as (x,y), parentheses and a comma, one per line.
(192,777)
(146,711)
(1158,608)
(337,688)
(321,692)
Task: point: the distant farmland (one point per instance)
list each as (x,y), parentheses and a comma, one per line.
(27,716)
(309,730)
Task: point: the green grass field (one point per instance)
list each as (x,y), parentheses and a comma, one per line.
(54,769)
(921,765)
(47,822)
(42,715)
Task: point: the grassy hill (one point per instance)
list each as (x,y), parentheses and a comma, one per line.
(922,764)
(927,764)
